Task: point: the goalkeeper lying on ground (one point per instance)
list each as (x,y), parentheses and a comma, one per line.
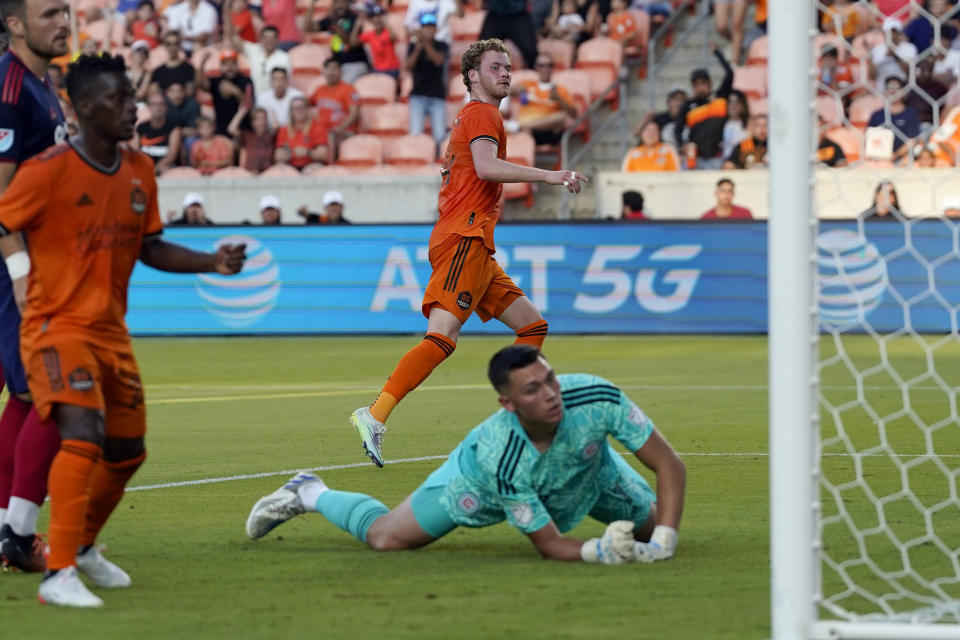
(542,462)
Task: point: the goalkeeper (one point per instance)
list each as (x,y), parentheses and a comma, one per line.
(542,462)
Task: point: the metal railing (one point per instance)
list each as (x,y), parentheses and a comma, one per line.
(618,118)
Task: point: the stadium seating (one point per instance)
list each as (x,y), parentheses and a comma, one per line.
(759,51)
(862,108)
(232,172)
(308,58)
(280,171)
(457,91)
(457,49)
(523,76)
(411,150)
(182,173)
(158,56)
(375,88)
(307,83)
(521,149)
(104,30)
(603,58)
(360,151)
(758,105)
(830,109)
(751,80)
(866,41)
(576,82)
(390,120)
(850,139)
(89,10)
(467,28)
(638,44)
(560,51)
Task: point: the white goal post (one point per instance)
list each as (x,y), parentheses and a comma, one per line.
(880,594)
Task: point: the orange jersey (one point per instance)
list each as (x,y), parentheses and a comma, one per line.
(662,157)
(333,103)
(84,228)
(469,206)
(845,18)
(539,103)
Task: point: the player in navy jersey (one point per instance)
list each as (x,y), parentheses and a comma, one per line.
(30,121)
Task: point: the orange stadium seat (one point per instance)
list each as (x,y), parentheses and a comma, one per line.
(758,105)
(104,30)
(850,139)
(759,51)
(576,82)
(395,22)
(360,151)
(158,56)
(181,173)
(389,120)
(457,49)
(865,42)
(751,80)
(830,109)
(281,170)
(642,36)
(411,150)
(399,6)
(603,57)
(825,39)
(862,108)
(232,172)
(521,76)
(375,88)
(560,51)
(468,27)
(457,91)
(406,86)
(521,149)
(307,83)
(308,58)
(90,10)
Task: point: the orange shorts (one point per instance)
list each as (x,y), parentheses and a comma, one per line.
(466,278)
(74,371)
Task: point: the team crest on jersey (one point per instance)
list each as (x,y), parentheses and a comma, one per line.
(464,299)
(6,140)
(590,450)
(468,502)
(637,416)
(138,200)
(522,513)
(80,379)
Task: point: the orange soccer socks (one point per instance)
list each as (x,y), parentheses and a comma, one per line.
(413,368)
(69,484)
(106,489)
(534,333)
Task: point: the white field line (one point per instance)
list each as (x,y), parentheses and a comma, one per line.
(356,465)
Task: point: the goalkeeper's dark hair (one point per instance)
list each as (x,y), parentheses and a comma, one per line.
(83,70)
(516,356)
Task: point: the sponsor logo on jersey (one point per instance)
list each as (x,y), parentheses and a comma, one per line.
(6,140)
(522,513)
(464,299)
(590,450)
(468,502)
(138,200)
(80,379)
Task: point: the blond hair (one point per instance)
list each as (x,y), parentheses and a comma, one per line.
(471,57)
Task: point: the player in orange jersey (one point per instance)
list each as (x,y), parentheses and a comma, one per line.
(466,278)
(89,210)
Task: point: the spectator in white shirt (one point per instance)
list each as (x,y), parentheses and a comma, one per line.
(263,56)
(276,100)
(196,20)
(443,9)
(894,56)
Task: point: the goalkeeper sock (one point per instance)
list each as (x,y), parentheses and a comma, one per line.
(352,512)
(413,368)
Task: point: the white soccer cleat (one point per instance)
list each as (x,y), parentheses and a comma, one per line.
(371,433)
(101,571)
(66,589)
(273,510)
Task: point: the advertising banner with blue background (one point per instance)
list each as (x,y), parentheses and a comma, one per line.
(585,278)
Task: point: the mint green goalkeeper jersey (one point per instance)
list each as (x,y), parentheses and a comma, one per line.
(497,473)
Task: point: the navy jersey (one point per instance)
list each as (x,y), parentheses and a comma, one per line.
(30,121)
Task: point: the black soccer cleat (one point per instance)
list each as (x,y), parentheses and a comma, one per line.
(22,553)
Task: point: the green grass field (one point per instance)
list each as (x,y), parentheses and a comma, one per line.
(236,407)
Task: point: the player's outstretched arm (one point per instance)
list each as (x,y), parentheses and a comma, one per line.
(166,256)
(658,456)
(616,546)
(489,167)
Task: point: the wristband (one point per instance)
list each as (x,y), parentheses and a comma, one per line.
(18,265)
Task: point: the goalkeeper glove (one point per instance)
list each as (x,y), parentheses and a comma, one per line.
(615,547)
(662,545)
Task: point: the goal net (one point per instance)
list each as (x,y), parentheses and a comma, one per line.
(882,246)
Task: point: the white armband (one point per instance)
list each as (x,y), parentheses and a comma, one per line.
(18,265)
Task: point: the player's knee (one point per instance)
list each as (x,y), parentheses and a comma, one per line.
(123,449)
(79,423)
